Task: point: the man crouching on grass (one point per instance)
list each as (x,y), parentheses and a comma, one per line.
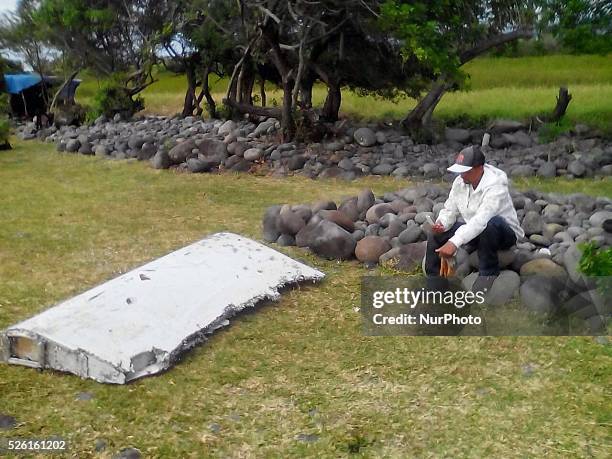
(481,198)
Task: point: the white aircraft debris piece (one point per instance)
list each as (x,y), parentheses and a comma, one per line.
(140,322)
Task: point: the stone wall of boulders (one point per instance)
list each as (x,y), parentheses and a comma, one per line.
(195,145)
(393,228)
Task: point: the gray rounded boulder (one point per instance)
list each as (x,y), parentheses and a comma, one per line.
(539,294)
(370,248)
(253,154)
(73,145)
(270,223)
(365,200)
(331,241)
(504,287)
(365,137)
(547,170)
(161,160)
(101,150)
(544,268)
(375,212)
(179,153)
(290,222)
(339,218)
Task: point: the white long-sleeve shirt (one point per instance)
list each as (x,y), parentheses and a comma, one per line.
(477,206)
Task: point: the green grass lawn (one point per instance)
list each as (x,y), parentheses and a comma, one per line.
(299,366)
(498,87)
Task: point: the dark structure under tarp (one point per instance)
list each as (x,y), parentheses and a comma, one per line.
(30,93)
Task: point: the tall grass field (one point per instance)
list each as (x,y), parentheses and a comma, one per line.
(514,88)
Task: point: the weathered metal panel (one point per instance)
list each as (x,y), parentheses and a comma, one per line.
(64,359)
(139,323)
(4,348)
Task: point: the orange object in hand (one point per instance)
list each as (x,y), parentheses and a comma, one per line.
(447,267)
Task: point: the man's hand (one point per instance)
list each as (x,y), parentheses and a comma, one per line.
(447,250)
(437,228)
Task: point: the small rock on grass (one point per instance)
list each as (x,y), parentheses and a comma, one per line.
(7,422)
(100,445)
(285,240)
(307,438)
(528,369)
(84,396)
(128,453)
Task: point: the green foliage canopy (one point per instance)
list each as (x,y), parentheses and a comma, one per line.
(440,35)
(582,26)
(597,262)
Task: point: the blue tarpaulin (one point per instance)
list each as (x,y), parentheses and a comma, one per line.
(17,83)
(29,96)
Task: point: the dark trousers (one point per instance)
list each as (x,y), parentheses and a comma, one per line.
(496,236)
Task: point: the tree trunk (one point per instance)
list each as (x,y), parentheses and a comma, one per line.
(233,83)
(306,93)
(262,91)
(285,70)
(420,115)
(563,101)
(25,105)
(287,121)
(240,83)
(231,87)
(247,80)
(189,103)
(331,107)
(419,118)
(42,76)
(211,106)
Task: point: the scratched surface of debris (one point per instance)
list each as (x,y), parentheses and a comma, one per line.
(139,322)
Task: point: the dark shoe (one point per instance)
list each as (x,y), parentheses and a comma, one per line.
(483,283)
(437,284)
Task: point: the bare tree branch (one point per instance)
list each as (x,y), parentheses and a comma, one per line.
(61,88)
(238,65)
(216,23)
(300,70)
(370,9)
(269,13)
(492,42)
(315,39)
